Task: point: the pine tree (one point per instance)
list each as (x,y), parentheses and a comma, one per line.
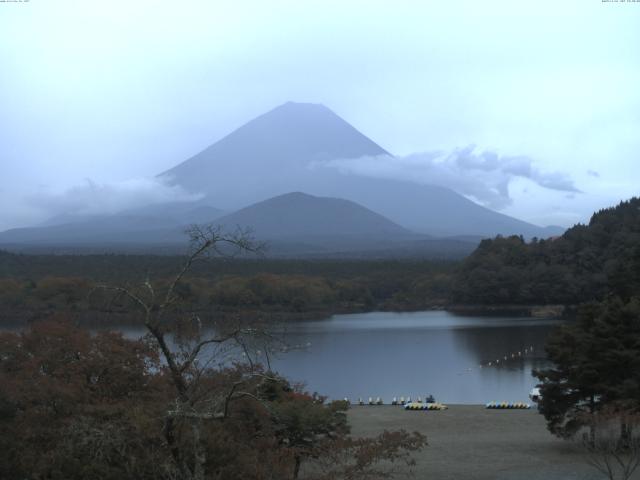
(596,364)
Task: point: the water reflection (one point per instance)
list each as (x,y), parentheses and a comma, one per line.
(392,354)
(399,354)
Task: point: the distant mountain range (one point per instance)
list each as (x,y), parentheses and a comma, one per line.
(292,225)
(153,224)
(283,151)
(252,173)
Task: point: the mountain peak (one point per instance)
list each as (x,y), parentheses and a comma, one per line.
(295,196)
(298,214)
(290,136)
(302,105)
(298,117)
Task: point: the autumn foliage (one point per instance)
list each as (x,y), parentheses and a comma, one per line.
(76,405)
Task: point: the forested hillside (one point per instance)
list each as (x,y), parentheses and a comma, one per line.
(586,263)
(32,286)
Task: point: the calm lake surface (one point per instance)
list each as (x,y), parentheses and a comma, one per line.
(389,354)
(414,354)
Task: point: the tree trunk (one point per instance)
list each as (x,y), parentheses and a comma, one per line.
(169,435)
(199,452)
(176,375)
(625,435)
(592,426)
(296,467)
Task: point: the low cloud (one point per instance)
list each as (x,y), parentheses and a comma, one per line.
(93,198)
(484,176)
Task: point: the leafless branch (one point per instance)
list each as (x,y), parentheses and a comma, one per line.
(196,350)
(613,446)
(128,293)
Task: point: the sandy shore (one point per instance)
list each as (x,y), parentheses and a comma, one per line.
(471,442)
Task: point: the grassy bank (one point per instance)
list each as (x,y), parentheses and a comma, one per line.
(471,442)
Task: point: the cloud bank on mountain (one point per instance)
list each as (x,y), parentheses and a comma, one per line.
(93,198)
(484,175)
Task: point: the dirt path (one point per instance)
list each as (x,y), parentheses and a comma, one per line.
(471,442)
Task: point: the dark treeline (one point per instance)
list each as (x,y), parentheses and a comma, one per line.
(114,266)
(33,284)
(588,262)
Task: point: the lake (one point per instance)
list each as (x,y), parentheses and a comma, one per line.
(391,354)
(457,359)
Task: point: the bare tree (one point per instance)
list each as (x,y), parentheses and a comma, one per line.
(182,348)
(612,445)
(200,396)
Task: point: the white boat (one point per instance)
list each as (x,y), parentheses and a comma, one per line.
(534,394)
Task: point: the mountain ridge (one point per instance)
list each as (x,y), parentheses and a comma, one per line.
(297,214)
(284,149)
(293,225)
(280,156)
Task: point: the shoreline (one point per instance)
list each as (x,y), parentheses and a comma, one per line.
(534,311)
(100,318)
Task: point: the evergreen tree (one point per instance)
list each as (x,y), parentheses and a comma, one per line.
(596,364)
(587,262)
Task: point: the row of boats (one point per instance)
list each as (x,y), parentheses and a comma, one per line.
(508,405)
(431,404)
(394,401)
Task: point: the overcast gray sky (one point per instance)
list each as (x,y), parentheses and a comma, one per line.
(116,91)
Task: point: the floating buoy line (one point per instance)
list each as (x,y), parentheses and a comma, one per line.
(502,360)
(429,403)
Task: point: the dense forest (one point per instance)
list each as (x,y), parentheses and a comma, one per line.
(33,286)
(587,262)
